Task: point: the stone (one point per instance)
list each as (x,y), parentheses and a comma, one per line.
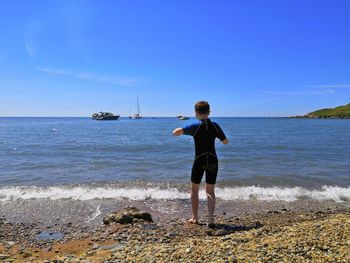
(123,219)
(10,243)
(4,256)
(138,248)
(127,215)
(170,234)
(144,216)
(95,246)
(109,247)
(119,247)
(27,254)
(108,219)
(151,227)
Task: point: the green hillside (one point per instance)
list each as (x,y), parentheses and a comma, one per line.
(338,112)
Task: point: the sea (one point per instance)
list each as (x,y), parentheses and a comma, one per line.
(267,159)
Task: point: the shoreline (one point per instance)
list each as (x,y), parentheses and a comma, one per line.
(286,232)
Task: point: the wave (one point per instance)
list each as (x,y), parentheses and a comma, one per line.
(288,194)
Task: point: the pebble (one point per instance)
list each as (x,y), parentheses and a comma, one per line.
(95,246)
(109,247)
(4,256)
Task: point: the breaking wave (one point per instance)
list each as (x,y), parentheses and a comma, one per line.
(288,194)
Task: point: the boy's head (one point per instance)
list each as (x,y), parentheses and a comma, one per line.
(202,109)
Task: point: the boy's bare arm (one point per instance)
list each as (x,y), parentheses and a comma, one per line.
(178,132)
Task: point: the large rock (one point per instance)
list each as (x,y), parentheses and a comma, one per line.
(127,215)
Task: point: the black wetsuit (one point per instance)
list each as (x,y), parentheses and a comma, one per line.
(204,133)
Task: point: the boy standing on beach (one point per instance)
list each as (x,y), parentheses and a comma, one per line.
(204,133)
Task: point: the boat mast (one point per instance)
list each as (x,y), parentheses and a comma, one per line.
(138,107)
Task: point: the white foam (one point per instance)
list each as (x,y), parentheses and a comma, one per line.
(288,194)
(87,193)
(95,214)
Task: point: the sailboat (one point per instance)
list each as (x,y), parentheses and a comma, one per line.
(137,115)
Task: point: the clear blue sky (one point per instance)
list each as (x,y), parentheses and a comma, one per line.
(247,58)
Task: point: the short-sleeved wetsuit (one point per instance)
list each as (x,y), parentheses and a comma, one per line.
(204,133)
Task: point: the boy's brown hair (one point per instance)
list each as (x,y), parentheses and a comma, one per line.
(202,107)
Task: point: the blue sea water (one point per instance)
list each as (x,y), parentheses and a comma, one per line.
(264,153)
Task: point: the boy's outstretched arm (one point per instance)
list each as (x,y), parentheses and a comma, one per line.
(178,131)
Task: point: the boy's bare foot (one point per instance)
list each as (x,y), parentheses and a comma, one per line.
(193,221)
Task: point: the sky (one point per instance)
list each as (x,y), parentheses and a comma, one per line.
(247,58)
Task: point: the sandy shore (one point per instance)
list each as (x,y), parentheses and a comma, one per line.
(277,235)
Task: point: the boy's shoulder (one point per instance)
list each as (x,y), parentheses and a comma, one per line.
(193,124)
(191,129)
(214,123)
(199,123)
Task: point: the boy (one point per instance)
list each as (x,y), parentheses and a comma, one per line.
(204,133)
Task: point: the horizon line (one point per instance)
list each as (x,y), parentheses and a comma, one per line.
(146,116)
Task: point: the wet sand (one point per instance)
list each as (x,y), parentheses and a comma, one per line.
(47,212)
(255,231)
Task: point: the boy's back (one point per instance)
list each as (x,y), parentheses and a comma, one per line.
(204,133)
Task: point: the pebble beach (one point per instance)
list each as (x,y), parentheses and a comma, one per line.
(273,236)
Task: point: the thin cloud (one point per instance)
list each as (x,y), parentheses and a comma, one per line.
(109,79)
(334,86)
(299,92)
(30,47)
(311,90)
(53,71)
(32,30)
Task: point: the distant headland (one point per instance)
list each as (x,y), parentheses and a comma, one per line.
(341,112)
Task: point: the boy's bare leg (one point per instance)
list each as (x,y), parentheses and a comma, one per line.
(194,202)
(209,189)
